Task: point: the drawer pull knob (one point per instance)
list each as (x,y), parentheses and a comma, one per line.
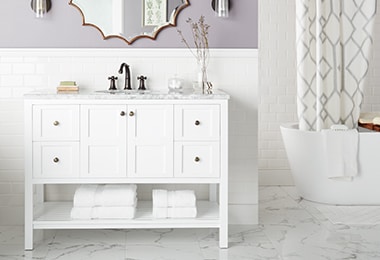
(131,113)
(197,159)
(56,159)
(197,122)
(122,113)
(55,123)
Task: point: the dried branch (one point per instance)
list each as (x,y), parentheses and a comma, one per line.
(199,31)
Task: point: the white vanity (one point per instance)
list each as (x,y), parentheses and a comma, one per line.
(150,138)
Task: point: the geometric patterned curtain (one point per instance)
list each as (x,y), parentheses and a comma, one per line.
(334,43)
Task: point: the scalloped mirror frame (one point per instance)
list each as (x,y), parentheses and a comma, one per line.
(153,37)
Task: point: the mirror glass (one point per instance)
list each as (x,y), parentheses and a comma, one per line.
(129,19)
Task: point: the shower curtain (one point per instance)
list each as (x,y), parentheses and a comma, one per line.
(334,40)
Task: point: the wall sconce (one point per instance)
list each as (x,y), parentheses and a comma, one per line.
(40,7)
(221,7)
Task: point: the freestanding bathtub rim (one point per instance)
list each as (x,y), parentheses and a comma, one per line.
(305,153)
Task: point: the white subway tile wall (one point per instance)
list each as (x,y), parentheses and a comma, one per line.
(277,81)
(25,70)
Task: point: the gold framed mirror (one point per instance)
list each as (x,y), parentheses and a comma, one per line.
(129,20)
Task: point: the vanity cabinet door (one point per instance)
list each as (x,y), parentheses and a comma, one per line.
(150,141)
(197,122)
(197,146)
(197,159)
(103,140)
(56,122)
(55,159)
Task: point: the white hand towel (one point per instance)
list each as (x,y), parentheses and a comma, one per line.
(190,212)
(81,213)
(85,195)
(341,151)
(116,195)
(160,198)
(179,198)
(113,212)
(160,212)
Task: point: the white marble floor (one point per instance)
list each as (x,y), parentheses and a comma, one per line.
(289,228)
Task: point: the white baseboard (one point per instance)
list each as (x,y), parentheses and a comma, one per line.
(243,214)
(275,177)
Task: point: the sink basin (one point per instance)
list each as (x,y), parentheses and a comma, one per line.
(122,92)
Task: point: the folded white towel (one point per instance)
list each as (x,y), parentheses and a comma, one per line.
(113,212)
(116,195)
(160,198)
(341,151)
(182,198)
(85,195)
(178,198)
(81,213)
(90,195)
(190,212)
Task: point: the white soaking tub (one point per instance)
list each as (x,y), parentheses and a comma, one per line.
(309,168)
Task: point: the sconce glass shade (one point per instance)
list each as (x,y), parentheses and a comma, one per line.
(40,7)
(222,8)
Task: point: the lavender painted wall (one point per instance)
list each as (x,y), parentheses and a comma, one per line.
(62,27)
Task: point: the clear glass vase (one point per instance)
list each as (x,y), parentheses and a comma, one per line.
(202,78)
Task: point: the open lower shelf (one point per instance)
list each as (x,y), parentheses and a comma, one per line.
(56,215)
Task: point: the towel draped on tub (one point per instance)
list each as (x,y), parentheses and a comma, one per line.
(341,151)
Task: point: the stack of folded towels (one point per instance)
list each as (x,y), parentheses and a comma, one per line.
(174,204)
(105,201)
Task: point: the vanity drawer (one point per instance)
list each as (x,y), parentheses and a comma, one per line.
(197,122)
(55,160)
(56,122)
(196,159)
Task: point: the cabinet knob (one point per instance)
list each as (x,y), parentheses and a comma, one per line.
(131,113)
(56,159)
(122,113)
(197,122)
(55,123)
(197,159)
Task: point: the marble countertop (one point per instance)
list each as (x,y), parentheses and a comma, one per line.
(120,95)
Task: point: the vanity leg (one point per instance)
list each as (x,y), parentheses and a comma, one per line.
(223,211)
(39,199)
(28,199)
(223,186)
(28,216)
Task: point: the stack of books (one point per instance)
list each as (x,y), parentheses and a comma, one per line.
(67,87)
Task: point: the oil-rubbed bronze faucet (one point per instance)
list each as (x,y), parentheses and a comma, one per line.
(127,82)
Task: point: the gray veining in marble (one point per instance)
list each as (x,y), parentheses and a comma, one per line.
(290,228)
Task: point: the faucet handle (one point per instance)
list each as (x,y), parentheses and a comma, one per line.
(112,83)
(142,82)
